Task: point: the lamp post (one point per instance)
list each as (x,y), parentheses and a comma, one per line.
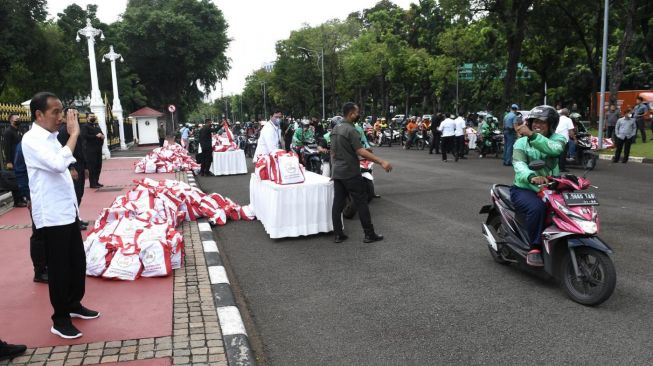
(321,56)
(117,107)
(97,106)
(457,78)
(603,72)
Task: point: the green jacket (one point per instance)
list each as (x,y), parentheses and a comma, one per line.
(537,147)
(327,136)
(300,136)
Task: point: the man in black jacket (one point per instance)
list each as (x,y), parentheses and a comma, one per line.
(11,138)
(437,134)
(207,148)
(77,169)
(94,139)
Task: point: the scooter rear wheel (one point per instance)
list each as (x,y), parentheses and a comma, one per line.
(495,223)
(598,276)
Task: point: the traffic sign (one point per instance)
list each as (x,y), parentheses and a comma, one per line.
(172,108)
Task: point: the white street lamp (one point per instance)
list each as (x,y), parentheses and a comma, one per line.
(604,67)
(97,106)
(117,107)
(321,56)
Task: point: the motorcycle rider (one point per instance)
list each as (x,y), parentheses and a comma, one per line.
(487,128)
(538,142)
(411,130)
(301,135)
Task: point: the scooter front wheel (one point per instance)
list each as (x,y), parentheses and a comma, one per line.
(597,279)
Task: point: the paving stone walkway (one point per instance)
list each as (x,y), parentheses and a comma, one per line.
(196,338)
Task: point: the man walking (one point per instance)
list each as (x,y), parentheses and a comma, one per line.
(625,130)
(55,211)
(94,141)
(448,130)
(205,140)
(435,133)
(346,147)
(566,129)
(640,112)
(162,134)
(11,139)
(509,134)
(459,137)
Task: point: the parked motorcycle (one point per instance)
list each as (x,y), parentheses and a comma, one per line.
(572,251)
(423,139)
(584,157)
(385,137)
(366,167)
(311,157)
(250,145)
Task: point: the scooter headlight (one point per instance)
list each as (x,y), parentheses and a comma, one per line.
(588,226)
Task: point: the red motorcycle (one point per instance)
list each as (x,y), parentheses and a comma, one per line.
(572,251)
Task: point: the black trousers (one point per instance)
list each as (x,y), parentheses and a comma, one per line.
(161,140)
(37,250)
(447,146)
(355,187)
(622,144)
(94,165)
(641,127)
(459,146)
(435,144)
(610,132)
(206,159)
(66,263)
(79,183)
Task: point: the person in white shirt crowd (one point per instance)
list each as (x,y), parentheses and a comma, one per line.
(270,138)
(566,129)
(55,211)
(448,129)
(459,139)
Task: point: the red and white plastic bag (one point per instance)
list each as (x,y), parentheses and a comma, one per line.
(285,168)
(155,257)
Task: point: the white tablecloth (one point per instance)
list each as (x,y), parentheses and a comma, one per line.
(294,209)
(229,162)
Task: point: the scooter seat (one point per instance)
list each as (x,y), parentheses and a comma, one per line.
(503,191)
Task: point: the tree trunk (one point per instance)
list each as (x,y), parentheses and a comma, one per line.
(407,103)
(617,69)
(516,26)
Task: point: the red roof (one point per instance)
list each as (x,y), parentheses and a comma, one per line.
(146,112)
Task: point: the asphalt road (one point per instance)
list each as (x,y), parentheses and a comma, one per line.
(430,293)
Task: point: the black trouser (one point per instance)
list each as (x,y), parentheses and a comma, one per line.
(37,250)
(94,165)
(435,144)
(562,159)
(447,146)
(355,187)
(641,126)
(79,183)
(610,133)
(625,144)
(206,159)
(161,140)
(459,146)
(66,263)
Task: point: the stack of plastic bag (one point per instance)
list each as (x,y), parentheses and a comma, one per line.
(167,159)
(225,141)
(281,167)
(607,143)
(136,236)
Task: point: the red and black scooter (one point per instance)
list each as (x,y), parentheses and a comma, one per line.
(572,251)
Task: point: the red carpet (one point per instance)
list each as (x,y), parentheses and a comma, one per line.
(130,310)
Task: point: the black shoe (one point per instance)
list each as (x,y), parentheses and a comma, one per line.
(209,174)
(85,223)
(430,152)
(463,157)
(41,278)
(66,331)
(624,161)
(370,238)
(84,313)
(94,187)
(339,238)
(376,196)
(9,351)
(100,185)
(20,204)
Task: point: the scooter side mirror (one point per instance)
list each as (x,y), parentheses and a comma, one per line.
(536,165)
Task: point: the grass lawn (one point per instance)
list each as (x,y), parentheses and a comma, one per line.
(638,149)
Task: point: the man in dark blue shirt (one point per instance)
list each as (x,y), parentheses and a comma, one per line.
(509,134)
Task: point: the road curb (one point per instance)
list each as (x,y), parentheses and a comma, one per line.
(234,334)
(631,159)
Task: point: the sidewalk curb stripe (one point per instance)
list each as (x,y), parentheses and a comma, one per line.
(213,259)
(222,295)
(217,274)
(631,159)
(230,321)
(204,226)
(242,354)
(210,246)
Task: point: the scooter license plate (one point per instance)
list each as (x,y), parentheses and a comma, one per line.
(580,198)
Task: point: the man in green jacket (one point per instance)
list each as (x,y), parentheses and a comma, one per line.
(538,142)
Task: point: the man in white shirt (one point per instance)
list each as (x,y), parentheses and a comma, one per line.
(566,129)
(270,138)
(448,129)
(459,134)
(55,211)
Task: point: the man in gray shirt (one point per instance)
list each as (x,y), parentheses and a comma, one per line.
(625,130)
(613,116)
(347,179)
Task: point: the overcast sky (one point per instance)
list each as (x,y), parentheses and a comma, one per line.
(254,26)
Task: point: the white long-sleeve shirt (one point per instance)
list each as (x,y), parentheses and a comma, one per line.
(448,127)
(460,126)
(54,202)
(269,140)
